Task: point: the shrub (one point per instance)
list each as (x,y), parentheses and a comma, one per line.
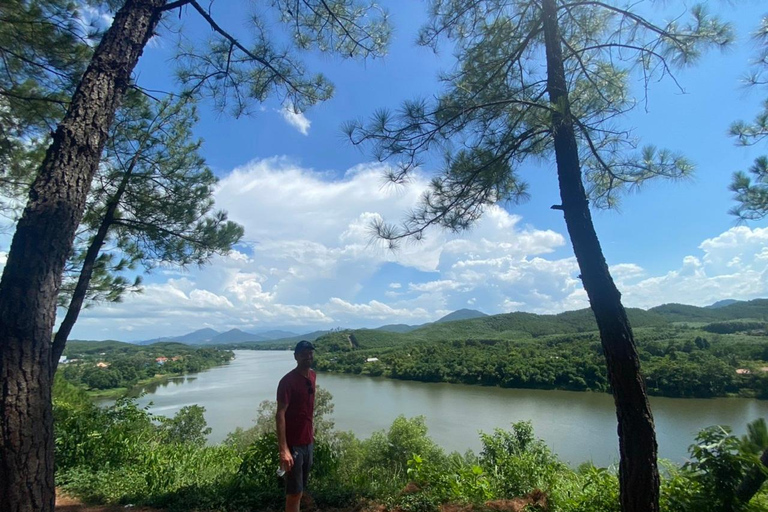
(518,462)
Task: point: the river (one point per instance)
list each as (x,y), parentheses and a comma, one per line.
(577,426)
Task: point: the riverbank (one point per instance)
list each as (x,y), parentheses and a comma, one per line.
(364,405)
(110,370)
(115,393)
(676,362)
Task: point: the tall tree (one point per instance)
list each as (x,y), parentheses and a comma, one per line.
(233,71)
(751,190)
(152,199)
(541,79)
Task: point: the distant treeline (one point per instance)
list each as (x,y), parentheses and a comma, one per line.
(112,364)
(680,359)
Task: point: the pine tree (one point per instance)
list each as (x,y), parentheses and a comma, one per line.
(151,199)
(548,79)
(234,72)
(43,52)
(751,190)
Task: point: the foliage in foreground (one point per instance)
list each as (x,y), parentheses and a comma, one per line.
(123,454)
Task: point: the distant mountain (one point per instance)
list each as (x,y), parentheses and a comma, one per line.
(281,342)
(213,337)
(234,336)
(723,303)
(310,336)
(461,314)
(472,323)
(397,328)
(201,335)
(277,334)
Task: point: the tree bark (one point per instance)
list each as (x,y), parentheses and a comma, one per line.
(638,471)
(86,272)
(40,247)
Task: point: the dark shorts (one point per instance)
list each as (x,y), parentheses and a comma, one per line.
(296,478)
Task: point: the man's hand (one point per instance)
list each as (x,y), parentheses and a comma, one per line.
(286,460)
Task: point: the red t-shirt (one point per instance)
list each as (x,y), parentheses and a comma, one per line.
(298,393)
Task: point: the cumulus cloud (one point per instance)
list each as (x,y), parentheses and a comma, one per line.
(733,264)
(376,309)
(295,118)
(308,261)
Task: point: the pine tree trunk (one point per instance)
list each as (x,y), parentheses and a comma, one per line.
(40,247)
(638,471)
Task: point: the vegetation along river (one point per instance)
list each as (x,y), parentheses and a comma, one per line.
(578,426)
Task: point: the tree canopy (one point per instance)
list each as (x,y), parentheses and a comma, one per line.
(751,189)
(151,204)
(494,115)
(43,51)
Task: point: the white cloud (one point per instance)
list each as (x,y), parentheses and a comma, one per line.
(733,265)
(295,118)
(308,261)
(377,310)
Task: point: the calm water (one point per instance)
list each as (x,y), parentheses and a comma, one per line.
(577,426)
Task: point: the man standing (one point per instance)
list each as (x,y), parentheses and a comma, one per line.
(295,432)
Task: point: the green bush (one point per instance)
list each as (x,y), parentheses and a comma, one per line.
(518,462)
(458,480)
(392,449)
(589,489)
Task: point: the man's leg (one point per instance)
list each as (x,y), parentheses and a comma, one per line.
(308,460)
(294,482)
(292,502)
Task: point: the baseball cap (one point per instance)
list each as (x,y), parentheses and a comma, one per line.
(303,345)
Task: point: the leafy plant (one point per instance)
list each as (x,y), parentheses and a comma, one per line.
(518,461)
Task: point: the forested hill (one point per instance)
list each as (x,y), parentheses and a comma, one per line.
(740,310)
(685,351)
(530,325)
(506,326)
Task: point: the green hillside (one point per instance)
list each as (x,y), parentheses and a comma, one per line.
(685,351)
(117,347)
(461,314)
(497,327)
(743,310)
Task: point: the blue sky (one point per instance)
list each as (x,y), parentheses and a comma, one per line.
(306,198)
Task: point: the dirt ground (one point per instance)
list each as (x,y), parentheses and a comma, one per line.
(67,504)
(536,499)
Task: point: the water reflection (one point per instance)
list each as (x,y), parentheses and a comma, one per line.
(577,426)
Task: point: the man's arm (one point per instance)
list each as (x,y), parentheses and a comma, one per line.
(286,459)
